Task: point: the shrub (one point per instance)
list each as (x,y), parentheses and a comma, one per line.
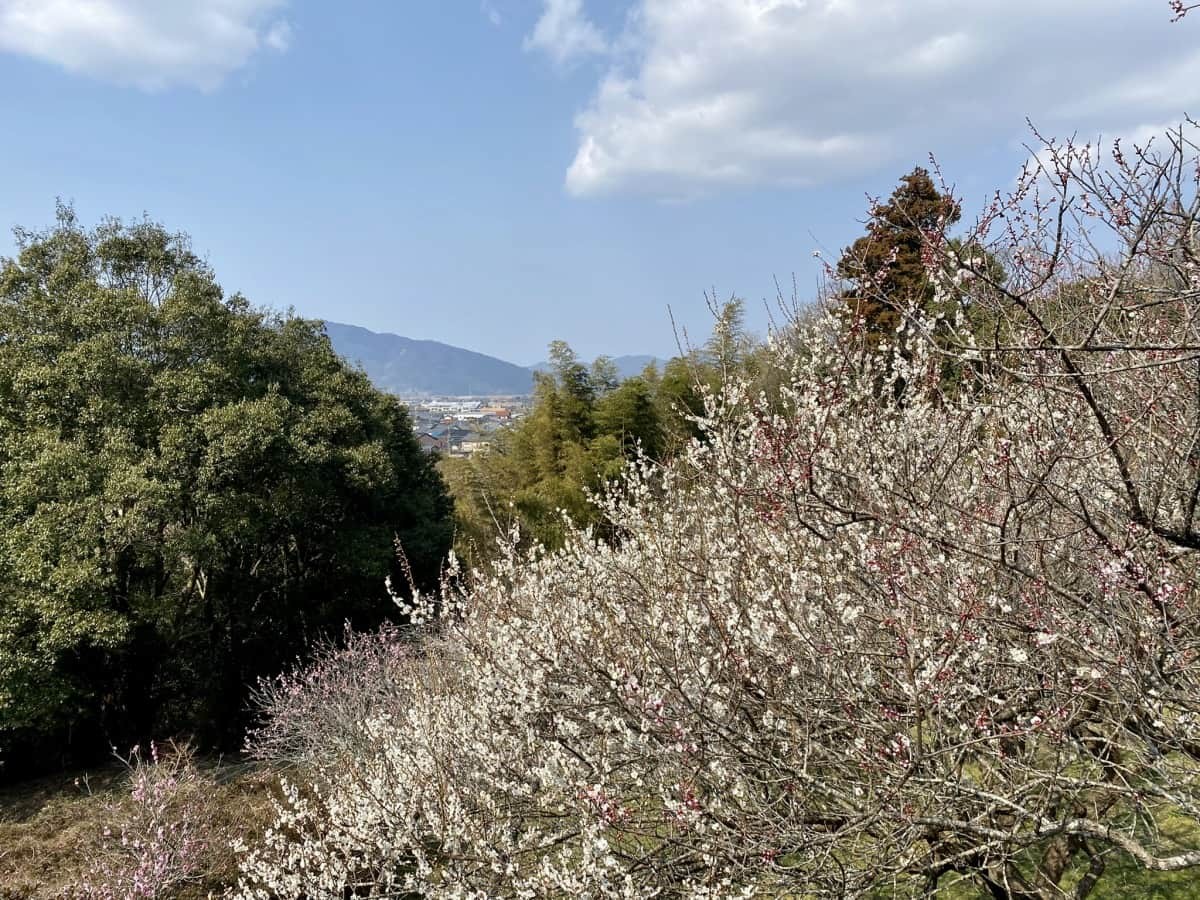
(316,712)
(162,837)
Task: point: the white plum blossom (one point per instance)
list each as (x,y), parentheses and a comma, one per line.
(881,628)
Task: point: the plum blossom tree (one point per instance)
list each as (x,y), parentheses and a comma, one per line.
(160,838)
(846,646)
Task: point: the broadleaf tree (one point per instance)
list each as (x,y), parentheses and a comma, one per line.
(190,490)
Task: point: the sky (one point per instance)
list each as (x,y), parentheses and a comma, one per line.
(497,174)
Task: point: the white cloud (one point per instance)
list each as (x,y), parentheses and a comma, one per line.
(279,36)
(741,92)
(565,33)
(151,44)
(491,12)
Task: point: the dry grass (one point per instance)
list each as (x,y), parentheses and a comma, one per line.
(52,829)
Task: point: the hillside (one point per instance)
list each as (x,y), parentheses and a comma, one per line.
(406,366)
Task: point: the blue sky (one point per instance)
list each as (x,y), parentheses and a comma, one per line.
(500,174)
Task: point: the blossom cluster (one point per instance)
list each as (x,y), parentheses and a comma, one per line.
(158,838)
(875,627)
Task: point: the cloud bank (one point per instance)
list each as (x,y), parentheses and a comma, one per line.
(150,44)
(696,96)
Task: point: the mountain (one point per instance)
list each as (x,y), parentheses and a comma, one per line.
(405,366)
(633,365)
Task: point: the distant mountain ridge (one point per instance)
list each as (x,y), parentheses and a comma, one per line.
(410,367)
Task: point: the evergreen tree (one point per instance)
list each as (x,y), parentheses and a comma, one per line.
(629,415)
(888,275)
(584,426)
(190,489)
(885,269)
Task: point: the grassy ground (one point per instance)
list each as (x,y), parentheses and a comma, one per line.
(1123,880)
(52,829)
(49,829)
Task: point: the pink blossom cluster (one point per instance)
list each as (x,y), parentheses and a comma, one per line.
(159,837)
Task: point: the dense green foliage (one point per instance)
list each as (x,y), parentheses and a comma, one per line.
(190,489)
(584,427)
(581,429)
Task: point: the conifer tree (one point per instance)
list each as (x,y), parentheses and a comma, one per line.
(885,269)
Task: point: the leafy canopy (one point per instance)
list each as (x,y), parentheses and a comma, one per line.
(189,488)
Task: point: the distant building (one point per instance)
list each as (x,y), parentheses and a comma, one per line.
(430,443)
(452,435)
(453,406)
(474,443)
